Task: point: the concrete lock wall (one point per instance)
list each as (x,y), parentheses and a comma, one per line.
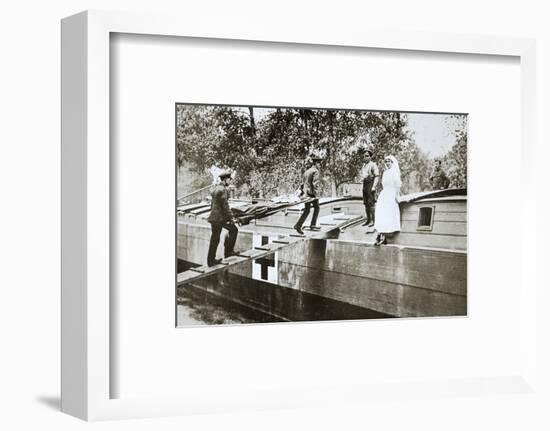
(393,280)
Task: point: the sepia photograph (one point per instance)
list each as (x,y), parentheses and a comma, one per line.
(294,214)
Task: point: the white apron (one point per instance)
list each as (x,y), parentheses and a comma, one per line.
(387,218)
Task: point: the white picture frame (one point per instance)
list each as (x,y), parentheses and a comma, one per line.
(86,313)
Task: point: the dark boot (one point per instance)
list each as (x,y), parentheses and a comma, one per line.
(367,214)
(302,219)
(298,229)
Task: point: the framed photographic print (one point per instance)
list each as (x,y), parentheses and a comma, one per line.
(326,215)
(267,218)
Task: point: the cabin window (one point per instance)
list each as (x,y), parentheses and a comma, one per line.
(425,218)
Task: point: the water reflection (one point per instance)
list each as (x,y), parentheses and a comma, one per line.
(260,291)
(199,307)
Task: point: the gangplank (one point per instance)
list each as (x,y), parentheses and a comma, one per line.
(328,225)
(253,253)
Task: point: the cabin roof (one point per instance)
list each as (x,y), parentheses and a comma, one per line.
(203,208)
(441,199)
(447,194)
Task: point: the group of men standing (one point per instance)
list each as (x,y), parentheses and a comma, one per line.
(221,216)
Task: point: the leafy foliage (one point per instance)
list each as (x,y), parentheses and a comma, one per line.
(269,149)
(455,162)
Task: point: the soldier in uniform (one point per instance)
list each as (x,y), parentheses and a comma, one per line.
(439,179)
(310,189)
(369,175)
(220,218)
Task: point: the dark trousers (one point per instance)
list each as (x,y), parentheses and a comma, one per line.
(302,219)
(369,198)
(215,239)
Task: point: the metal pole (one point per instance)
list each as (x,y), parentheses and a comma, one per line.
(195,192)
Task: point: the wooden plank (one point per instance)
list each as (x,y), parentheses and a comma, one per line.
(190,207)
(326,224)
(235,259)
(438,241)
(193,239)
(441,199)
(251,253)
(442,216)
(436,270)
(203,271)
(198,269)
(270,247)
(451,216)
(292,239)
(351,223)
(290,217)
(186,277)
(442,228)
(459,206)
(379,295)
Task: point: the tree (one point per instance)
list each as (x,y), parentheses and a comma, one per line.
(455,162)
(197,135)
(384,133)
(215,136)
(282,145)
(269,154)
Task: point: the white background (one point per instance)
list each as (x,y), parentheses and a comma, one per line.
(30,212)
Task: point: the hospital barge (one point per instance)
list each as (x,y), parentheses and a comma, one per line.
(421,272)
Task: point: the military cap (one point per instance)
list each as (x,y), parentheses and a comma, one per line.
(225,174)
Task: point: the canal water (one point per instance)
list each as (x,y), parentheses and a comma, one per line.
(252,293)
